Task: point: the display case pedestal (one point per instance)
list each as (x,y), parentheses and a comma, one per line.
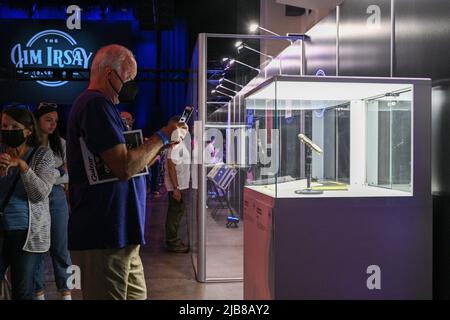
(336,248)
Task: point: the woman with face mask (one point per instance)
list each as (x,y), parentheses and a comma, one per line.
(27,176)
(47,118)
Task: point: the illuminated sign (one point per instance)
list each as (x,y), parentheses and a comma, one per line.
(320,73)
(50,49)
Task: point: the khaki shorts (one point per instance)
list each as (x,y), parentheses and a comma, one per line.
(111,274)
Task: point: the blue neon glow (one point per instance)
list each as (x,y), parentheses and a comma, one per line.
(46,13)
(51,32)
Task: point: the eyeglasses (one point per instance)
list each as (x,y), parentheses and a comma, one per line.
(47,104)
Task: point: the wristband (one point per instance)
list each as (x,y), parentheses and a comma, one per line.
(163,137)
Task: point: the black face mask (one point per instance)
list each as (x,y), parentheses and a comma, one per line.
(13,138)
(128,92)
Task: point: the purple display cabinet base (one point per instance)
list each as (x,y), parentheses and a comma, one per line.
(328,248)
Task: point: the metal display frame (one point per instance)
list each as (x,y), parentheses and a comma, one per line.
(199,256)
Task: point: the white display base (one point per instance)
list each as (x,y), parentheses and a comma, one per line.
(287,190)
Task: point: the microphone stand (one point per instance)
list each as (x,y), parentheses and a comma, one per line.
(308,190)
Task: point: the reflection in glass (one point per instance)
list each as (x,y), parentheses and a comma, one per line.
(389,142)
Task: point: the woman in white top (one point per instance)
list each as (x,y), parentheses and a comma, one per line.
(47,118)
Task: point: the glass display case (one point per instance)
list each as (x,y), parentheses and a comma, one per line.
(330,137)
(223,68)
(339,176)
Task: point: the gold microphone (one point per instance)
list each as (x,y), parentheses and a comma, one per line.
(309,143)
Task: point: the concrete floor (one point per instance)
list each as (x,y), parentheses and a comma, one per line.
(171,276)
(224,247)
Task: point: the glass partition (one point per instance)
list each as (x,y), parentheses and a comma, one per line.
(261,124)
(263,142)
(389,144)
(224,68)
(192,99)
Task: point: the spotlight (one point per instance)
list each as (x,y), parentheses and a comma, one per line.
(229,81)
(223,87)
(232,61)
(243,45)
(222,93)
(238,44)
(253,27)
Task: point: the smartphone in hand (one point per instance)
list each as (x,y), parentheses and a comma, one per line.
(187,113)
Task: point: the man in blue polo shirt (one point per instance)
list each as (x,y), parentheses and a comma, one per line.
(106,225)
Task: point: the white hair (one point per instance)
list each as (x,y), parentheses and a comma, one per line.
(112,56)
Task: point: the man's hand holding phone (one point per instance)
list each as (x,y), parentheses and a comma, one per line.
(179,133)
(181,130)
(175,132)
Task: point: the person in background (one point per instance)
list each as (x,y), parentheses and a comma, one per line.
(47,118)
(176,179)
(27,175)
(154,179)
(211,151)
(107,220)
(128,118)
